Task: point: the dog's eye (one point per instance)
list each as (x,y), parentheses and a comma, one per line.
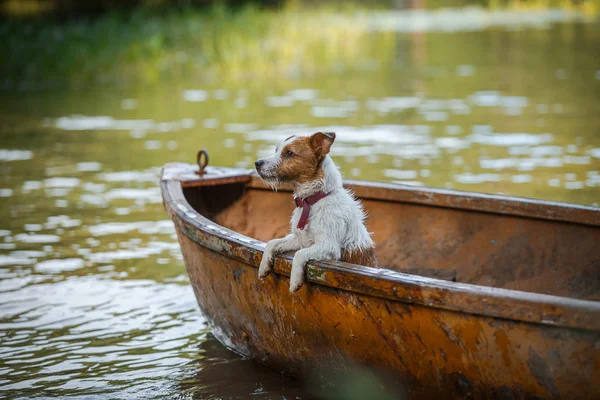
(289,154)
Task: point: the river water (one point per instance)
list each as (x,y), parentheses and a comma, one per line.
(94,298)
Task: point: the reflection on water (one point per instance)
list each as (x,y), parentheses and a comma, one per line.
(92,332)
(224,375)
(94,299)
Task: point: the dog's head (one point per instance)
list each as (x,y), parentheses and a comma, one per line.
(298,159)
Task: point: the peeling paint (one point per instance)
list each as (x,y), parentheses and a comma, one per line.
(440,339)
(542,373)
(316,273)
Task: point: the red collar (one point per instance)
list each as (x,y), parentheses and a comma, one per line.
(306,203)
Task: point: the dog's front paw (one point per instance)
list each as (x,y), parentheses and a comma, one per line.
(265,266)
(296,278)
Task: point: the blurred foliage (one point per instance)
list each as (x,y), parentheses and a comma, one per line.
(586,6)
(25,8)
(146,45)
(220,41)
(70,7)
(582,5)
(356,383)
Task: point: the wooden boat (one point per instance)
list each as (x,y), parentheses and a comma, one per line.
(482,296)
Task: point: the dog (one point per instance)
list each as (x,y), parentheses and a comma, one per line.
(328,222)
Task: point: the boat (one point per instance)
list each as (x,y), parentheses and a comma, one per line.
(481,296)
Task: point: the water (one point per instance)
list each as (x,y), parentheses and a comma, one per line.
(94,299)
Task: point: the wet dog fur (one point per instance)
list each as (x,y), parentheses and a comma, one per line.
(336,229)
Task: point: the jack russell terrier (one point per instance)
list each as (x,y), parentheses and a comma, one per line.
(328,222)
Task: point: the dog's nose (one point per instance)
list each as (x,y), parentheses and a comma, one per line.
(258,163)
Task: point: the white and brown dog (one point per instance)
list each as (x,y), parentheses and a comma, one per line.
(328,222)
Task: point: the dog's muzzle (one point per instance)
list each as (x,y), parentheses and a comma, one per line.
(259,164)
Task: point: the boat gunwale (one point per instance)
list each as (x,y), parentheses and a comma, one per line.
(463,200)
(486,301)
(428,196)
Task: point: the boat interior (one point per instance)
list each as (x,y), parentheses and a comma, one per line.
(497,249)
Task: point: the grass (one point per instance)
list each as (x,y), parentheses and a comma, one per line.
(587,6)
(590,7)
(148,45)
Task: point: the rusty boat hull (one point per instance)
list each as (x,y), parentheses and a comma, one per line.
(480,296)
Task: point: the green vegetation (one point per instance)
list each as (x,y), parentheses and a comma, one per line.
(146,45)
(587,6)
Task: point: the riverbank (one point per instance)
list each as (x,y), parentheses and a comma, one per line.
(145,46)
(149,45)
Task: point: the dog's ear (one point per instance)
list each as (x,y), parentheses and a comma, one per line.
(321,142)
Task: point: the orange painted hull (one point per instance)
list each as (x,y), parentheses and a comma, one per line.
(484,296)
